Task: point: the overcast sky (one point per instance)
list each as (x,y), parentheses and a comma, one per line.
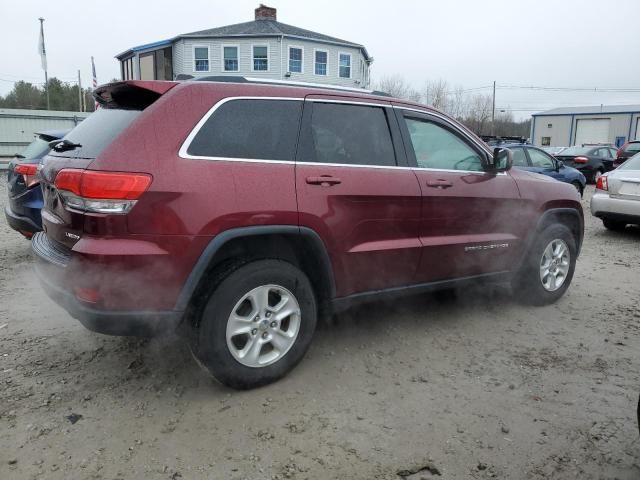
(558,43)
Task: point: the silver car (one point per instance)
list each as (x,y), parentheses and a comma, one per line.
(617,197)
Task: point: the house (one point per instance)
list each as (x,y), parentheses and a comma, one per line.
(560,127)
(262,48)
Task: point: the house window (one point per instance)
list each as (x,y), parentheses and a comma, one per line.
(230,58)
(295,59)
(127,69)
(345,65)
(546,141)
(201,59)
(321,62)
(260,58)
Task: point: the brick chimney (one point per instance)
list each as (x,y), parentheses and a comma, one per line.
(265,13)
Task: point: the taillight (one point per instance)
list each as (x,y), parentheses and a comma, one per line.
(29,172)
(101,192)
(581,160)
(602,183)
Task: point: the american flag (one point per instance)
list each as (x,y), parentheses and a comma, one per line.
(95,78)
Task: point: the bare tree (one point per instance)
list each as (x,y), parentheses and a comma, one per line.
(435,93)
(397,86)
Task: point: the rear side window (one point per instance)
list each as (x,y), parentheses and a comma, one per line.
(250,129)
(351,135)
(519,157)
(96,132)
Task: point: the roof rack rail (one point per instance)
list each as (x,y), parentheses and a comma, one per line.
(269,81)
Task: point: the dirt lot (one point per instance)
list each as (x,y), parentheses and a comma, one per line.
(473,387)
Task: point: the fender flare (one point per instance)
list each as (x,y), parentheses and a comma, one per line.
(201,266)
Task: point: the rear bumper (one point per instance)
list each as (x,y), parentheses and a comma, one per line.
(620,209)
(51,267)
(20,223)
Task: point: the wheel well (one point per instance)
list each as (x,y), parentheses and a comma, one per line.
(300,250)
(568,219)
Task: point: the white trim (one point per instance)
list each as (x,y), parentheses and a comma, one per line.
(323,86)
(350,55)
(193,58)
(268,57)
(299,47)
(326,64)
(222,47)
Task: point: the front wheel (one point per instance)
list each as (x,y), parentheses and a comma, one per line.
(548,269)
(257,324)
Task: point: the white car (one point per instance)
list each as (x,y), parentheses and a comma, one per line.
(617,197)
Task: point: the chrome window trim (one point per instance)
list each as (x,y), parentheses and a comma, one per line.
(182,153)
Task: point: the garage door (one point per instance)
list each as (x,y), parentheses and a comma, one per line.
(592,131)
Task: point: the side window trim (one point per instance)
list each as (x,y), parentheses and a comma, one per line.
(403,114)
(306,155)
(183,151)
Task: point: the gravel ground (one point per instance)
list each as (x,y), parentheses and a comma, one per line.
(428,387)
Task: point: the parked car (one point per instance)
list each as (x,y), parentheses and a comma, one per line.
(625,152)
(537,160)
(259,206)
(617,197)
(554,150)
(23,185)
(497,140)
(591,161)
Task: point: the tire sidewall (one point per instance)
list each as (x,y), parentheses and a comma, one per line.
(211,344)
(529,284)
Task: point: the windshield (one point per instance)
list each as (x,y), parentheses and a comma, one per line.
(632,164)
(36,149)
(573,151)
(96,132)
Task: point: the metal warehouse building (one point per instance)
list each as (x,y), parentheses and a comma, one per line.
(562,127)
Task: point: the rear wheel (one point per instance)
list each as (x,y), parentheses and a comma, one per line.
(613,225)
(596,175)
(548,269)
(257,324)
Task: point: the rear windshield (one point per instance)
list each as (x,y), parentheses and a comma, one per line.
(573,151)
(632,164)
(632,147)
(96,132)
(36,149)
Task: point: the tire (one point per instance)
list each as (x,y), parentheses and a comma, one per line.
(596,174)
(277,349)
(613,225)
(578,187)
(528,285)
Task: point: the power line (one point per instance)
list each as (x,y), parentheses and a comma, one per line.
(570,89)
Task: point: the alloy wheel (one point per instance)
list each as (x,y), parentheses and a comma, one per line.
(554,265)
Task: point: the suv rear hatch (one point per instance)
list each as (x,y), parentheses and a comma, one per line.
(63,217)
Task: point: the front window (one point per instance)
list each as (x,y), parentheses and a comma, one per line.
(260,58)
(540,159)
(519,157)
(295,59)
(201,59)
(438,148)
(321,62)
(230,55)
(345,65)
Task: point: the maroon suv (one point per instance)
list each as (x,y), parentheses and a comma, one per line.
(241,211)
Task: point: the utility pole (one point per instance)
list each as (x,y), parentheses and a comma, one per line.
(43,60)
(493,110)
(80,109)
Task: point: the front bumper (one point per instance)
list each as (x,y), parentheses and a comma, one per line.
(20,223)
(615,208)
(51,266)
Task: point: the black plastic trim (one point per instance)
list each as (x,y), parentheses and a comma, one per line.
(342,303)
(20,223)
(219,240)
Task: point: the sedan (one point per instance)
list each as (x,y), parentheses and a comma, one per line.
(617,197)
(592,161)
(25,195)
(533,159)
(625,152)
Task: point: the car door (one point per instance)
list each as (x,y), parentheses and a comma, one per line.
(470,218)
(355,190)
(542,162)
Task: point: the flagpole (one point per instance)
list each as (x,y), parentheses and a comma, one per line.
(44,53)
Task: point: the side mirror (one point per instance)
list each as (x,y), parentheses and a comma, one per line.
(501,161)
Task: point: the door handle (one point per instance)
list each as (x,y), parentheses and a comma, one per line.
(439,183)
(324,180)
